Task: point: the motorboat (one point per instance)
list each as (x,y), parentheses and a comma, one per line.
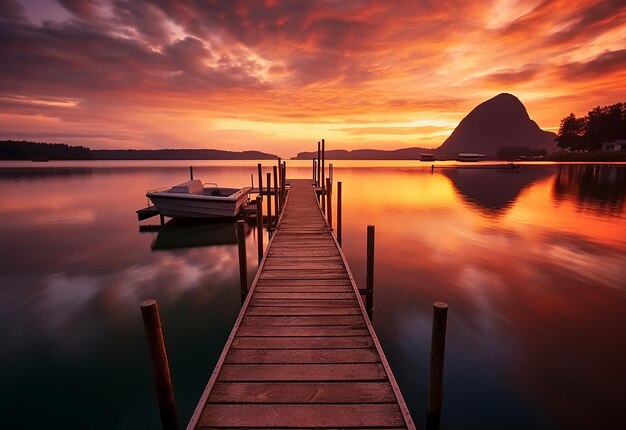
(427,157)
(471,156)
(194,199)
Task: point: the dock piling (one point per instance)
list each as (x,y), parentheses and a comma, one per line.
(369,274)
(319,162)
(160,364)
(329,201)
(339,213)
(243,264)
(276,195)
(191,173)
(435,379)
(284,181)
(269,201)
(323,178)
(259,168)
(259,226)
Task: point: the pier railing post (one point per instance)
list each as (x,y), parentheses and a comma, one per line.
(276,195)
(259,226)
(329,201)
(191,172)
(323,178)
(259,168)
(319,162)
(279,179)
(313,170)
(243,263)
(284,180)
(269,201)
(369,274)
(435,379)
(339,213)
(160,364)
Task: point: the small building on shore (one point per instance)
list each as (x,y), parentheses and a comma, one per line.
(615,145)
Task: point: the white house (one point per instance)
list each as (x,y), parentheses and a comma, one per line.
(615,145)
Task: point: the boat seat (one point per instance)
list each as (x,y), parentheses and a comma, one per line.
(190,187)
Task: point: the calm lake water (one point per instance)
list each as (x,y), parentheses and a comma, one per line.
(532,265)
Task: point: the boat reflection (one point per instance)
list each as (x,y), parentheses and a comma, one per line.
(493,190)
(188,233)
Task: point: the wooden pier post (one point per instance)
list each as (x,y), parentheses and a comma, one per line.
(329,201)
(243,263)
(369,274)
(319,161)
(276,195)
(259,226)
(269,201)
(313,170)
(252,181)
(339,212)
(279,179)
(162,218)
(323,178)
(330,172)
(191,173)
(160,364)
(435,379)
(259,167)
(284,180)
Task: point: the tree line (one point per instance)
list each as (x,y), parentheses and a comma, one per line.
(587,133)
(23,150)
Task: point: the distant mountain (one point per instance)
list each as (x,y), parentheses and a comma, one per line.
(368,154)
(14,150)
(497,123)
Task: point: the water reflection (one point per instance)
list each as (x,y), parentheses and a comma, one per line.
(530,264)
(597,188)
(181,233)
(493,190)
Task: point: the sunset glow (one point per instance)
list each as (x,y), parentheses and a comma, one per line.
(277,76)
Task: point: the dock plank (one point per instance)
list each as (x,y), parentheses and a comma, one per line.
(302,356)
(302,392)
(302,353)
(315,415)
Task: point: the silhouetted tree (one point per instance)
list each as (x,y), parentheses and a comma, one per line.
(602,124)
(571,133)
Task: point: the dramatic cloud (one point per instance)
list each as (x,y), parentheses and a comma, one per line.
(278,75)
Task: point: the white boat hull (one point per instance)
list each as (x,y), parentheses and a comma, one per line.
(177,205)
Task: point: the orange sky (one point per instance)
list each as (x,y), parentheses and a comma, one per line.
(279,75)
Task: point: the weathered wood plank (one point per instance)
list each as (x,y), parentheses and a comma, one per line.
(299,295)
(293,331)
(283,310)
(302,320)
(293,283)
(302,356)
(303,372)
(302,392)
(302,342)
(315,415)
(304,302)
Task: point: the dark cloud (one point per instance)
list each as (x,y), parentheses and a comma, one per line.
(595,19)
(511,77)
(79,61)
(83,9)
(11,10)
(601,66)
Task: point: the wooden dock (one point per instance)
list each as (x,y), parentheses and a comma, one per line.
(302,353)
